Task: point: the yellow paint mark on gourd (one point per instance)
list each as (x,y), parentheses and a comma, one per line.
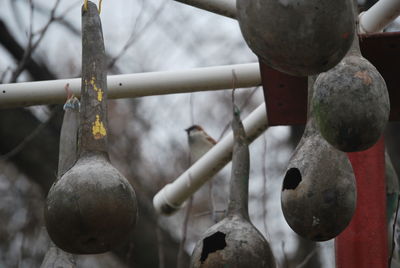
(98,90)
(98,129)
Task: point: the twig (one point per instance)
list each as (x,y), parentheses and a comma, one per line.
(241,107)
(31,46)
(205,213)
(248,97)
(180,261)
(285,259)
(4,74)
(129,42)
(191,111)
(28,138)
(307,258)
(135,35)
(160,245)
(60,19)
(234,82)
(393,232)
(264,175)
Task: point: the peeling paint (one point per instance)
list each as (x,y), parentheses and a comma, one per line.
(98,129)
(100,95)
(98,90)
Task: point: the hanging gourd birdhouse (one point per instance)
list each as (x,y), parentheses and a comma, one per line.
(55,257)
(92,208)
(319,192)
(297,37)
(351,103)
(234,241)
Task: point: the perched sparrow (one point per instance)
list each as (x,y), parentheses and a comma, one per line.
(199,142)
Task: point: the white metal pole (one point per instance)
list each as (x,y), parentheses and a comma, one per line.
(379,15)
(134,85)
(171,197)
(221,7)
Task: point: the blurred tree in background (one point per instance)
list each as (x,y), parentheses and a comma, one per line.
(40,40)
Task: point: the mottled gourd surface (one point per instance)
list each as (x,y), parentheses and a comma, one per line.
(297,37)
(91,208)
(234,242)
(319,192)
(351,104)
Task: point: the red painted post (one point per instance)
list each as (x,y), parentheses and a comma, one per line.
(364,243)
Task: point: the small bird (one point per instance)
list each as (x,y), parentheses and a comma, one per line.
(199,142)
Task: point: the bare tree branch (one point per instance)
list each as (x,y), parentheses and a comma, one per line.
(180,259)
(135,35)
(264,188)
(17,149)
(37,70)
(31,46)
(394,231)
(306,260)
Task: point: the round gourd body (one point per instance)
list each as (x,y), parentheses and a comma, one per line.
(91,208)
(297,37)
(235,243)
(319,193)
(351,104)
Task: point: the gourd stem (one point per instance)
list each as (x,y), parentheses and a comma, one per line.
(239,185)
(355,46)
(310,83)
(93,117)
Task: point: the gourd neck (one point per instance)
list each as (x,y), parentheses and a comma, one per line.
(310,92)
(310,126)
(239,184)
(93,117)
(355,46)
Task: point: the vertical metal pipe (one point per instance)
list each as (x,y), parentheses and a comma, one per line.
(364,243)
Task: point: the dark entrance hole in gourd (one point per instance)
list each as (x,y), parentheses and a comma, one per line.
(292,179)
(90,241)
(211,244)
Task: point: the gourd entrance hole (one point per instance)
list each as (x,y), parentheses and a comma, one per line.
(90,241)
(292,179)
(212,243)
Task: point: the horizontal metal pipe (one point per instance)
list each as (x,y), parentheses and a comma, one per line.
(170,198)
(225,8)
(134,85)
(379,16)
